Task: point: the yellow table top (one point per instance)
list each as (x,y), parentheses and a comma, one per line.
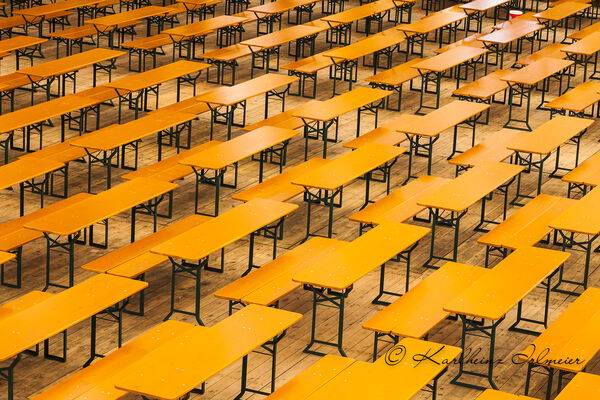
(582,216)
(562,11)
(25,169)
(450,59)
(344,267)
(467,189)
(551,135)
(272,281)
(420,309)
(204,27)
(127,16)
(116,135)
(65,5)
(497,292)
(357,13)
(172,370)
(528,225)
(589,45)
(156,76)
(241,147)
(582,386)
(19,42)
(445,117)
(571,341)
(483,5)
(342,104)
(280,187)
(510,33)
(401,204)
(102,206)
(433,22)
(364,47)
(25,329)
(586,173)
(349,167)
(283,36)
(279,6)
(536,72)
(72,63)
(213,235)
(230,95)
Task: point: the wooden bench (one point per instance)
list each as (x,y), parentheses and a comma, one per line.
(553,50)
(484,90)
(98,378)
(269,143)
(285,119)
(280,187)
(491,149)
(394,78)
(9,83)
(572,336)
(575,102)
(72,38)
(525,227)
(400,205)
(420,309)
(13,235)
(142,48)
(135,259)
(384,134)
(584,177)
(307,69)
(8,23)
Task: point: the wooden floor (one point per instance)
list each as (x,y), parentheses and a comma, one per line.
(34,374)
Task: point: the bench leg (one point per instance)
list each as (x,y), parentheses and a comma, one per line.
(330,299)
(16,284)
(7,373)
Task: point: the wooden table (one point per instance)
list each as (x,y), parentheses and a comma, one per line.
(558,16)
(374,13)
(266,48)
(579,226)
(423,131)
(416,32)
(189,251)
(522,83)
(576,101)
(500,41)
(66,68)
(199,8)
(70,223)
(331,278)
(186,37)
(223,101)
(450,203)
(268,142)
(269,14)
(134,90)
(102,146)
(98,295)
(583,52)
(318,118)
(23,173)
(585,177)
(533,149)
(108,24)
(493,295)
(460,59)
(346,59)
(477,10)
(325,184)
(36,15)
(172,370)
(23,46)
